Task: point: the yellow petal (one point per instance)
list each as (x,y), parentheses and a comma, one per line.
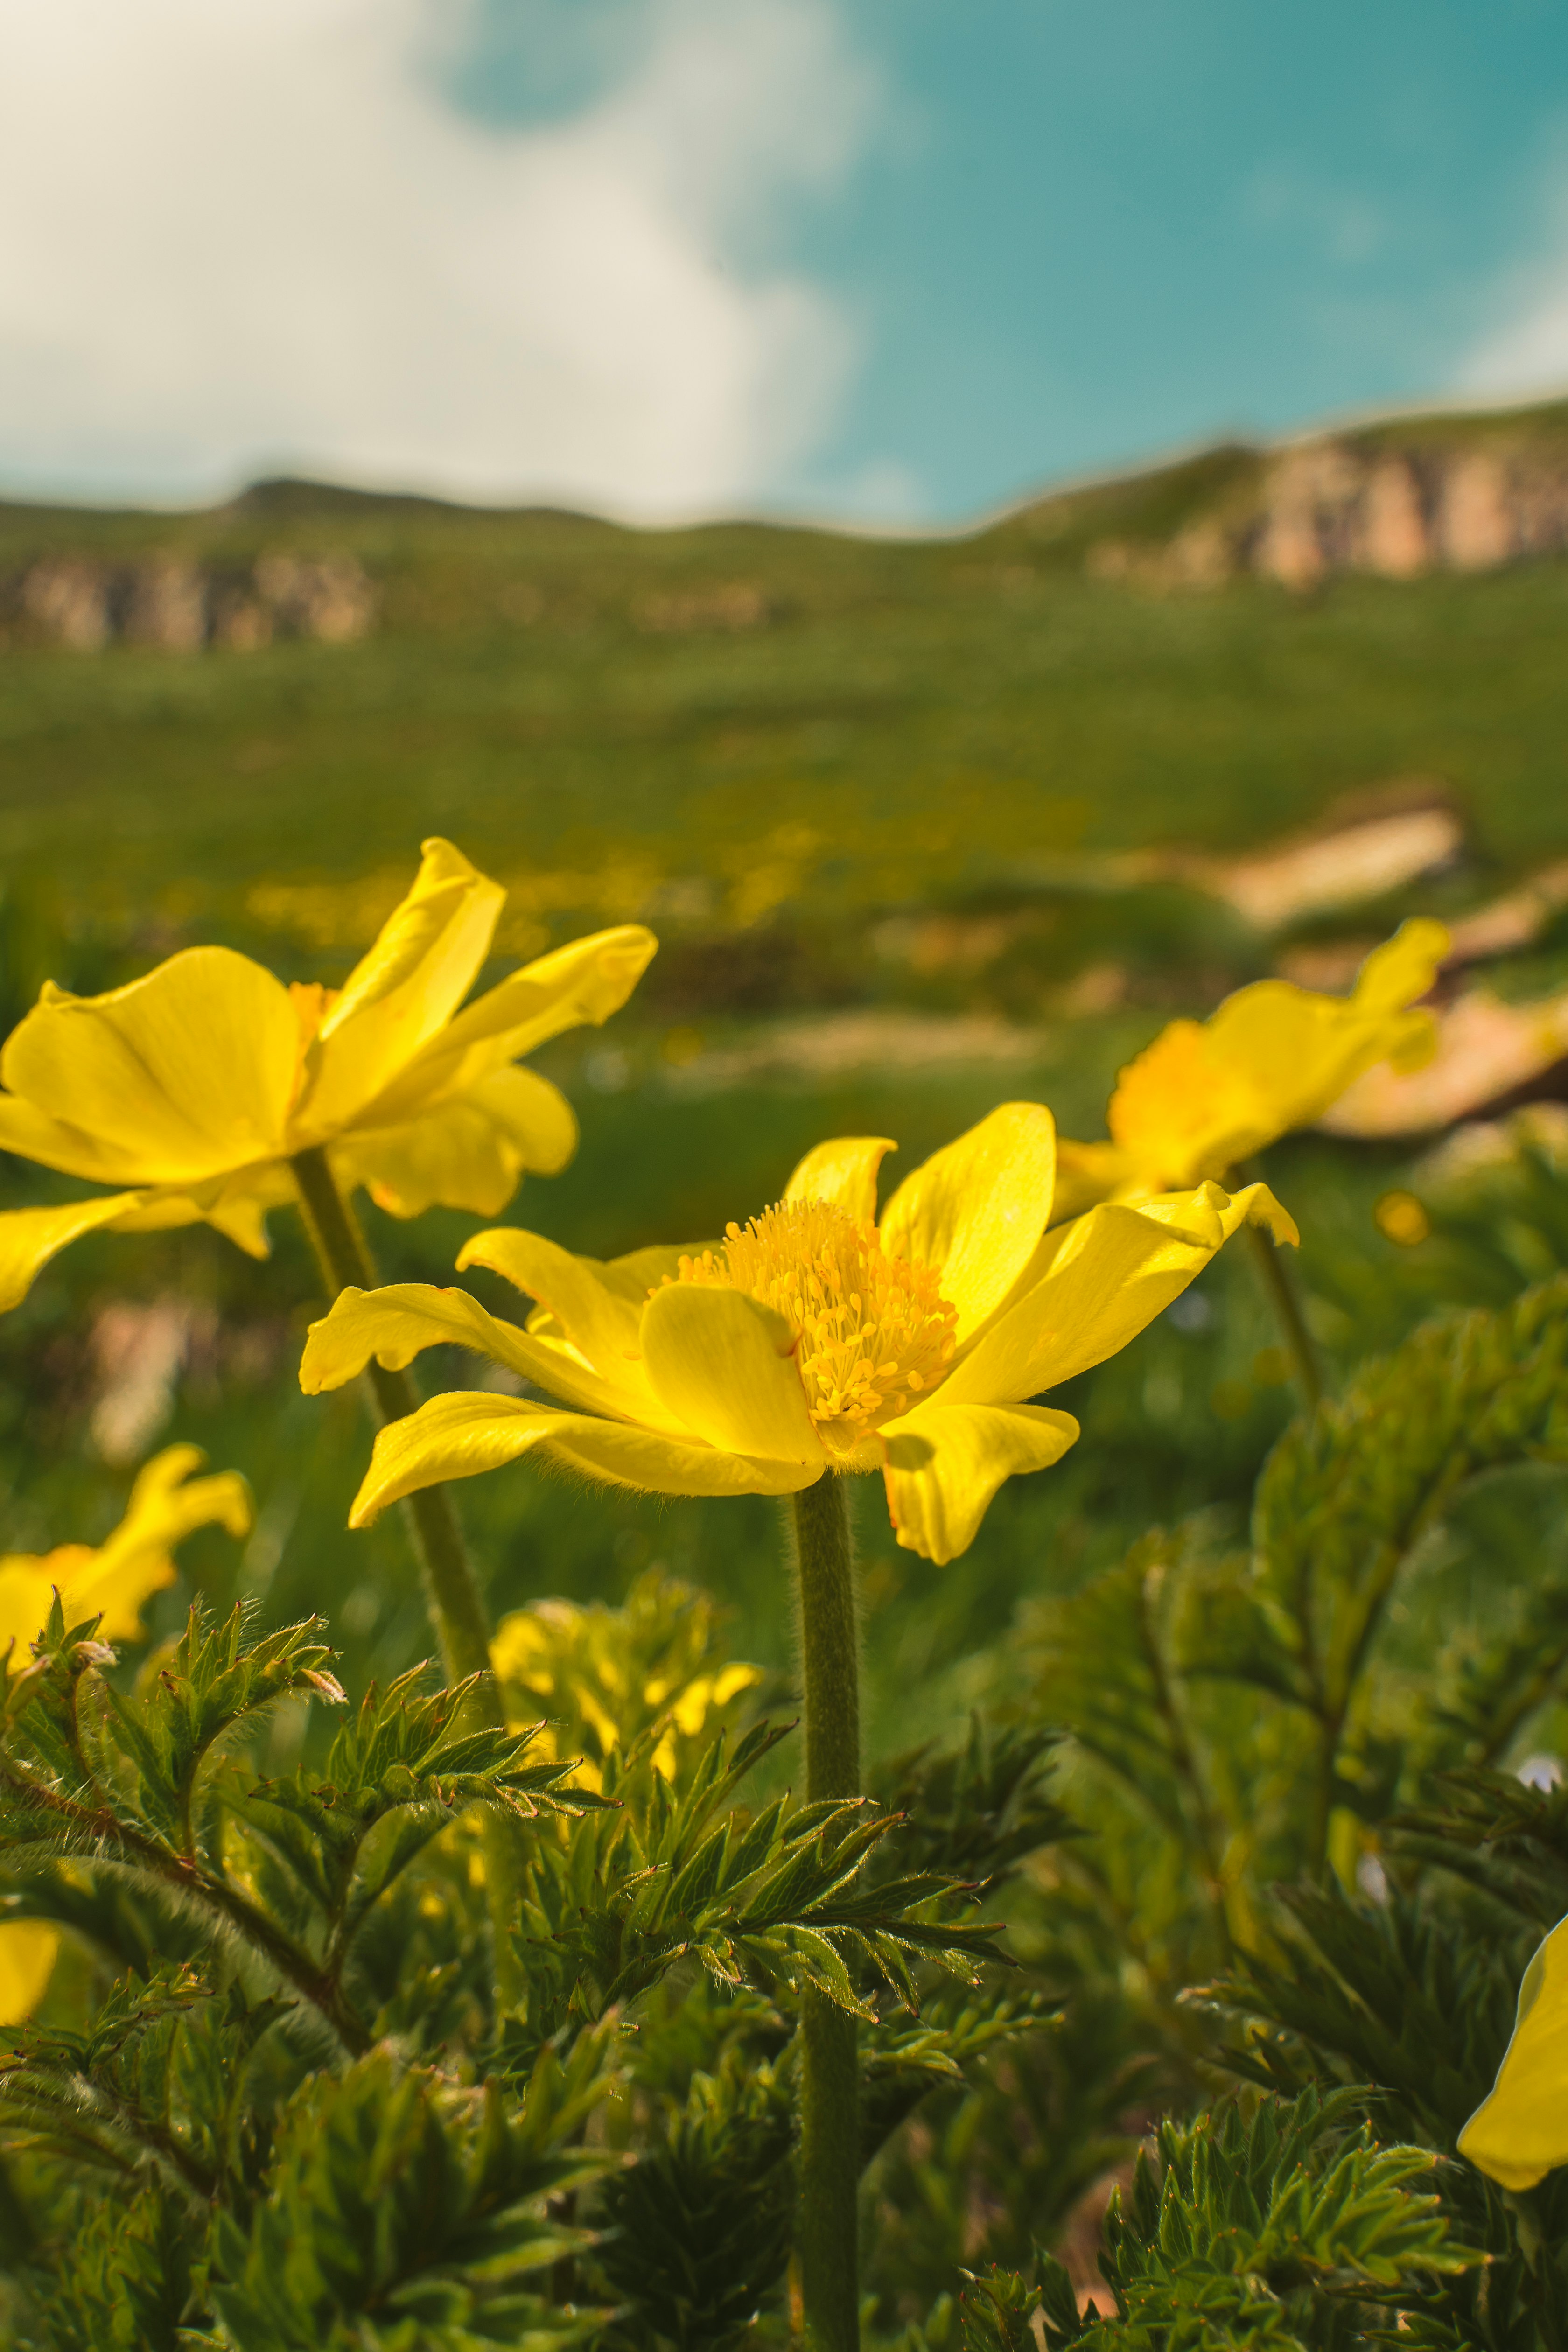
(600,1321)
(458,1435)
(725,1364)
(1088,1173)
(634,1277)
(845,1173)
(535,1116)
(27,1582)
(944,1462)
(28,1950)
(1520,2131)
(1404,968)
(1100,1281)
(585,981)
(976,1210)
(394,1324)
(234,1206)
(183,1075)
(404,992)
(33,1134)
(29,1238)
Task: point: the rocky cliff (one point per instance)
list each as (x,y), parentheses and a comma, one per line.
(1396,500)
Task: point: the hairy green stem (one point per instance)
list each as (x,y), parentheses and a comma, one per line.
(462,1625)
(1286,1304)
(346,1262)
(825,2232)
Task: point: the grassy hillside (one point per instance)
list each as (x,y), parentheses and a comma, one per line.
(713,723)
(777,745)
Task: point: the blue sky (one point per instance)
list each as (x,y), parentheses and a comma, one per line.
(879,258)
(1090,230)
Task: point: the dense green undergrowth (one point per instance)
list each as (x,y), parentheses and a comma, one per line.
(1251,1856)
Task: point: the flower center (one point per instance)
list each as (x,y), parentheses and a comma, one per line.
(873,1334)
(1178,1104)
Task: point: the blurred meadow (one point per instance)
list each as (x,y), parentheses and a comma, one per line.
(923,824)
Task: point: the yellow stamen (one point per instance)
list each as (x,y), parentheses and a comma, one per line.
(872,1332)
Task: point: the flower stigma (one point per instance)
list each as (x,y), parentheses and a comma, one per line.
(873,1333)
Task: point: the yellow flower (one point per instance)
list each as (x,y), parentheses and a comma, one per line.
(1520,2131)
(115,1580)
(1207,1093)
(112,1583)
(814,1339)
(580,1667)
(194,1085)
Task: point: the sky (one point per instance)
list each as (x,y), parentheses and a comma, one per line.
(884,261)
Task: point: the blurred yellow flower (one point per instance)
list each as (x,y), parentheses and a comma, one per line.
(1520,2131)
(196,1084)
(814,1339)
(115,1580)
(113,1583)
(575,1665)
(28,1950)
(1207,1093)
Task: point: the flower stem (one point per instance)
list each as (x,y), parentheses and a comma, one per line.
(825,2226)
(1285,1301)
(462,1625)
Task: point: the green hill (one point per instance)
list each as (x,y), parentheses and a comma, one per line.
(736,724)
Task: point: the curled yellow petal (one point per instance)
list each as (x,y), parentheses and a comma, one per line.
(585,981)
(461,1434)
(403,992)
(976,1210)
(394,1324)
(944,1462)
(725,1364)
(29,1238)
(1098,1282)
(28,1949)
(1520,2131)
(599,1321)
(182,1075)
(845,1173)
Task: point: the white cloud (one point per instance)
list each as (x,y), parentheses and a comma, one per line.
(1524,349)
(251,236)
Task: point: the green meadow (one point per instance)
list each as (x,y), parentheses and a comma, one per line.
(777,745)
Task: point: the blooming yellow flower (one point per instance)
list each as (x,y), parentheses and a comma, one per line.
(812,1339)
(112,1583)
(195,1085)
(115,1580)
(1207,1093)
(1520,2131)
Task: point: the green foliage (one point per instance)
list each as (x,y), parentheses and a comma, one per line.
(292,2089)
(1282,2226)
(1244,1716)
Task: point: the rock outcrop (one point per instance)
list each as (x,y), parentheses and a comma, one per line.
(181,606)
(1380,503)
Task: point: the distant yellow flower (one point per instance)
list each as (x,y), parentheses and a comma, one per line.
(115,1580)
(814,1339)
(1205,1095)
(196,1084)
(575,1666)
(113,1583)
(1520,2131)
